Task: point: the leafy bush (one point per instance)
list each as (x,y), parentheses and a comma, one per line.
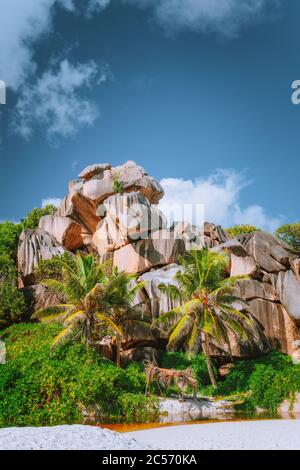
(12,302)
(271,379)
(9,237)
(52,268)
(32,219)
(290,233)
(39,388)
(239,229)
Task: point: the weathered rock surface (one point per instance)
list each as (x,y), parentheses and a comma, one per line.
(160,302)
(38,297)
(279,328)
(271,254)
(36,245)
(288,290)
(128,218)
(132,178)
(93,170)
(250,289)
(145,355)
(143,255)
(112,212)
(64,230)
(81,210)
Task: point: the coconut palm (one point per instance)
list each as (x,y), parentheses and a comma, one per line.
(95,301)
(207,310)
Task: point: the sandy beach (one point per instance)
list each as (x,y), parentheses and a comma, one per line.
(246,435)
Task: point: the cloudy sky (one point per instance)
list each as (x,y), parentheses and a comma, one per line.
(196,91)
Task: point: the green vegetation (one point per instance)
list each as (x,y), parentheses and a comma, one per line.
(39,387)
(290,233)
(97,303)
(270,379)
(239,229)
(208,307)
(117,185)
(32,219)
(181,361)
(12,303)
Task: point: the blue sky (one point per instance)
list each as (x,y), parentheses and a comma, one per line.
(196,91)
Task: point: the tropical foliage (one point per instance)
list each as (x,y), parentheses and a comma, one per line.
(290,233)
(207,310)
(96,302)
(43,388)
(239,229)
(12,303)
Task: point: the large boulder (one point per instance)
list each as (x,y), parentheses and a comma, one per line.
(278,326)
(128,217)
(250,289)
(39,296)
(161,302)
(130,176)
(159,250)
(94,170)
(270,253)
(36,245)
(80,209)
(65,230)
(288,290)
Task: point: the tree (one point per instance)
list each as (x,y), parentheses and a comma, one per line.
(207,310)
(9,237)
(290,233)
(95,302)
(32,219)
(239,229)
(12,302)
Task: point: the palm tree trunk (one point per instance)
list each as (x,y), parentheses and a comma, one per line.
(205,346)
(118,353)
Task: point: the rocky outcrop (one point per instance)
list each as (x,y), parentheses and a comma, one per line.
(144,255)
(130,177)
(65,230)
(126,218)
(36,245)
(38,297)
(161,302)
(113,212)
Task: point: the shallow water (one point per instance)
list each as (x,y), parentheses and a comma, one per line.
(222,417)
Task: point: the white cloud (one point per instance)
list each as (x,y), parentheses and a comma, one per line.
(224,17)
(55,101)
(21,24)
(54,201)
(220,195)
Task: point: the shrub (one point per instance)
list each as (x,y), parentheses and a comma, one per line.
(12,302)
(52,268)
(9,237)
(32,219)
(40,388)
(290,233)
(239,229)
(271,379)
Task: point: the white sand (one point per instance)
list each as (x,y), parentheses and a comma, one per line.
(67,438)
(246,435)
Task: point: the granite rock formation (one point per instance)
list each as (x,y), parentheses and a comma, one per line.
(113,213)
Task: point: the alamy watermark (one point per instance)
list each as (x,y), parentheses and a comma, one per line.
(296,93)
(2,92)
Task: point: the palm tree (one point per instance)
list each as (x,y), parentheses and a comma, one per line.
(95,301)
(208,306)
